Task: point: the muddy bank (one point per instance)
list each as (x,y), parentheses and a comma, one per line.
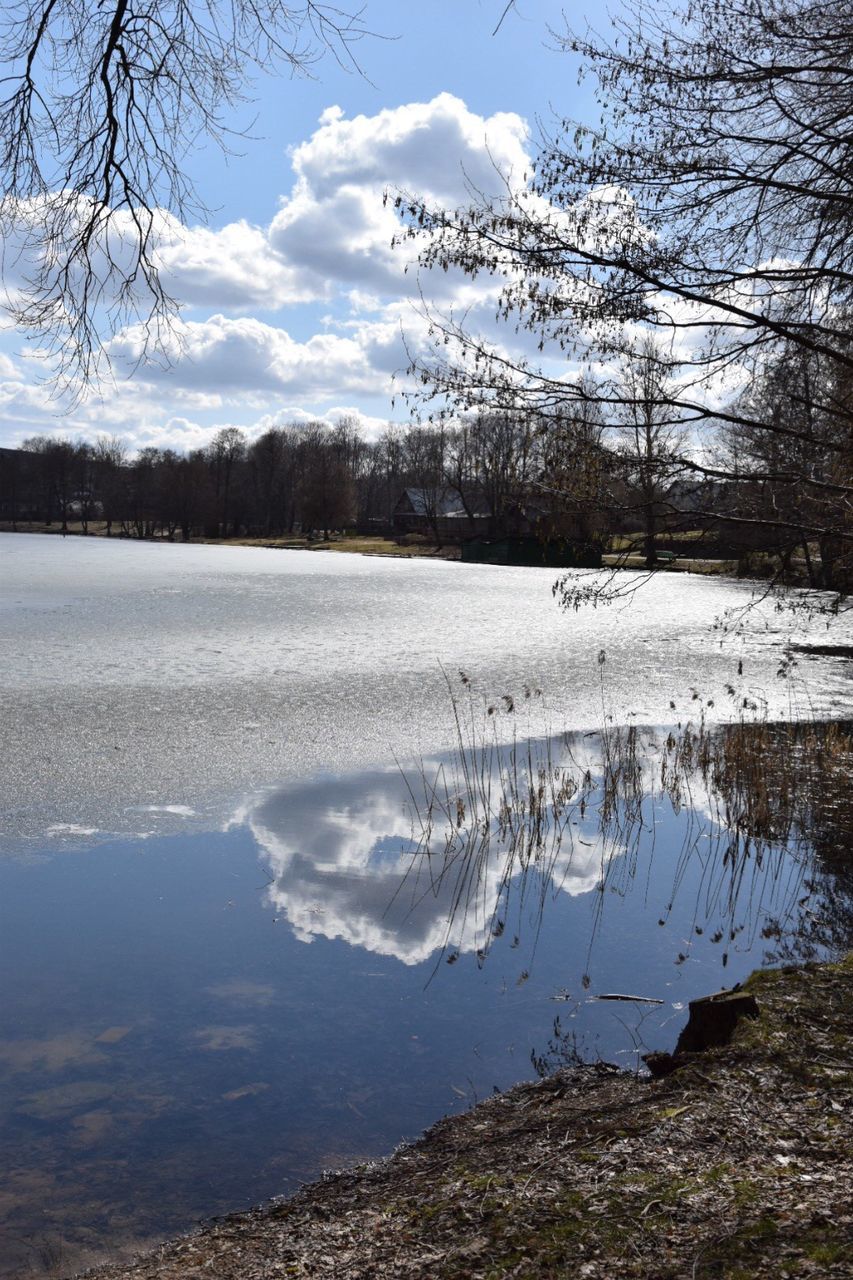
(737,1164)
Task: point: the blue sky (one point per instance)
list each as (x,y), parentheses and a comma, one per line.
(293,303)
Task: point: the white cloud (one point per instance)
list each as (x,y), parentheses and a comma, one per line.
(370,426)
(342,864)
(438,148)
(335,221)
(246,358)
(334,231)
(330,242)
(246,362)
(233,268)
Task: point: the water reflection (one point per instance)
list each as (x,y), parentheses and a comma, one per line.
(170,1047)
(364,859)
(447,856)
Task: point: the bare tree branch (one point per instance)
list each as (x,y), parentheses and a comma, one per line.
(100,105)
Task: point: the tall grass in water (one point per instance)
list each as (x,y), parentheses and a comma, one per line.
(496,815)
(514,815)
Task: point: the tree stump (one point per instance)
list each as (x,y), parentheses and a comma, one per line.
(713,1019)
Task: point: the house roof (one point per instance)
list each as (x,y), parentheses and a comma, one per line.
(423,502)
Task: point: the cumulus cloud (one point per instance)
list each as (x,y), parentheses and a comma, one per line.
(336,222)
(185,434)
(178,433)
(247,362)
(245,357)
(233,268)
(333,230)
(370,426)
(330,242)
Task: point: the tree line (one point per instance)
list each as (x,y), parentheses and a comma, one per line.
(299,477)
(581,476)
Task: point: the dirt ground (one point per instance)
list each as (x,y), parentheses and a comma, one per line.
(736,1165)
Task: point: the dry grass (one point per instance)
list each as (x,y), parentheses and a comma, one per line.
(508,816)
(385,547)
(366,546)
(623,560)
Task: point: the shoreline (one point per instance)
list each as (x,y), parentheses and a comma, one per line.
(377,545)
(736,1164)
(367,545)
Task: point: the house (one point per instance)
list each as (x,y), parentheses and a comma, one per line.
(438,512)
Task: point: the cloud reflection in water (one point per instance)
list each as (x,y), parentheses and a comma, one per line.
(459,850)
(351,858)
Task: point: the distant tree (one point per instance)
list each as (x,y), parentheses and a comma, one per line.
(226,451)
(267,459)
(142,506)
(183,493)
(85,497)
(425,451)
(109,461)
(504,446)
(647,440)
(785,470)
(56,472)
(327,488)
(15,484)
(460,470)
(576,475)
(390,453)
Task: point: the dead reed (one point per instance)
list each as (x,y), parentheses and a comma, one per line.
(513,816)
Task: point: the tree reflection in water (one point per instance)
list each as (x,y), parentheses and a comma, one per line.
(751,820)
(766,816)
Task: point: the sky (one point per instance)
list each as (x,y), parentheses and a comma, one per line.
(294,305)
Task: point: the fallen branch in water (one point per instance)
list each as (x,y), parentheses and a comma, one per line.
(634,999)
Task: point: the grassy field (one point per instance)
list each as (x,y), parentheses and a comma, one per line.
(365,546)
(681,565)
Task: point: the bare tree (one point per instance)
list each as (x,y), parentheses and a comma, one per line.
(502,445)
(460,472)
(267,459)
(327,487)
(226,451)
(56,475)
(425,454)
(110,461)
(576,472)
(713,210)
(101,104)
(646,443)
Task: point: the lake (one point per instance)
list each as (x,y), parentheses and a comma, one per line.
(304,850)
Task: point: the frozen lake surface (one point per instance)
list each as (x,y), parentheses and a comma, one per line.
(240,944)
(142,684)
